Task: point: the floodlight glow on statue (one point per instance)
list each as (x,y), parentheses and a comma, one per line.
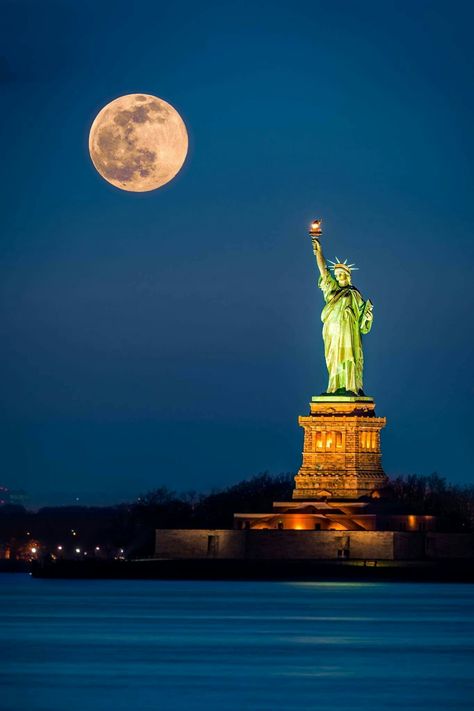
(346,317)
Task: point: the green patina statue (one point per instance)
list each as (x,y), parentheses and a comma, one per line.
(346,316)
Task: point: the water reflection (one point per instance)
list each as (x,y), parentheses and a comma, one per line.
(93,645)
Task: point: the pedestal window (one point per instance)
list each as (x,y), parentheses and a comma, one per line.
(328,441)
(368,439)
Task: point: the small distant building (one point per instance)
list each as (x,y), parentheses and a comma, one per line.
(13,497)
(4,496)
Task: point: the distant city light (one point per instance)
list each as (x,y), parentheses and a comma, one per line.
(60,548)
(78,550)
(33,550)
(97,548)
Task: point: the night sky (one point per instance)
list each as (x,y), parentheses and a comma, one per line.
(173,337)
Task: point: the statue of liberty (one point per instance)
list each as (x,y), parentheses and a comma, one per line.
(346,316)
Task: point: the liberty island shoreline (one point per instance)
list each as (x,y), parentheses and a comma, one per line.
(259,570)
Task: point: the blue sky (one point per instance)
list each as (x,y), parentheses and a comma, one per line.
(173,337)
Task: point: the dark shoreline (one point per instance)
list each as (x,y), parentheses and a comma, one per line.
(283,570)
(14,566)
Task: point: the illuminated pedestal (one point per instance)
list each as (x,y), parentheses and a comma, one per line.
(341,451)
(341,483)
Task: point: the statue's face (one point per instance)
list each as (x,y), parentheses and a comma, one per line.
(342,277)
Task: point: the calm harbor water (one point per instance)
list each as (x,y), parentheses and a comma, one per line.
(136,645)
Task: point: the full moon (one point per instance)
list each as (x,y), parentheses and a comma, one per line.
(138,142)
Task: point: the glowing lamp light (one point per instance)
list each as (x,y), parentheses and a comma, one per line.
(315,229)
(34,550)
(60,548)
(78,550)
(97,548)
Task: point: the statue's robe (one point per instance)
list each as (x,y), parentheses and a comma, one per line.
(344,320)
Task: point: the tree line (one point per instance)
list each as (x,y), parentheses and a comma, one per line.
(131,526)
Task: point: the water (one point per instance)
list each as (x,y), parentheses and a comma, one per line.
(159,645)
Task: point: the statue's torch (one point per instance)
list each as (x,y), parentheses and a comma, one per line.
(315,230)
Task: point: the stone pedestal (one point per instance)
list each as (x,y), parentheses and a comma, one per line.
(341,452)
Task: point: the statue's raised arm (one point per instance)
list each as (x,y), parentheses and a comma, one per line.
(318,253)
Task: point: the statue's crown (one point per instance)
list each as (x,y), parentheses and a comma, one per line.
(342,265)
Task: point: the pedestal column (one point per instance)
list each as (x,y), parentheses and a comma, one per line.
(341,451)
